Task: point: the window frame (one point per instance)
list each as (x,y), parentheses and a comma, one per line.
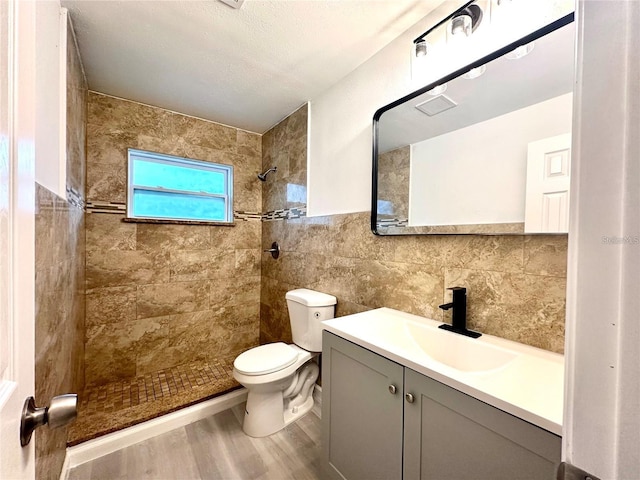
(161,158)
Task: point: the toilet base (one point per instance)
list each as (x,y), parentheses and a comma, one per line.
(264,413)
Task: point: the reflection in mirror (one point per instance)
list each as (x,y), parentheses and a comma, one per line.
(484,152)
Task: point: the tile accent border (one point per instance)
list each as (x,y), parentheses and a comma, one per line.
(239,215)
(75,198)
(392,222)
(106,207)
(285,214)
(245,216)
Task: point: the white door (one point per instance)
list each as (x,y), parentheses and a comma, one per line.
(17,126)
(548,182)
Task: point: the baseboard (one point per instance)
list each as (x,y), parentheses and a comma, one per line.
(92,449)
(317,401)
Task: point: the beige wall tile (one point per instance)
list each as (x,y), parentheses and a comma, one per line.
(175,297)
(109,147)
(107,183)
(524,308)
(250,144)
(160,238)
(235,290)
(111,305)
(188,265)
(111,350)
(118,268)
(502,253)
(545,255)
(248,261)
(106,231)
(244,234)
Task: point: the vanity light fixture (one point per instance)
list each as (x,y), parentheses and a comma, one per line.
(461,24)
(421,48)
(464,20)
(520,52)
(475,72)
(438,89)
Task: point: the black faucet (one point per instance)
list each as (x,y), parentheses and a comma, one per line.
(459,314)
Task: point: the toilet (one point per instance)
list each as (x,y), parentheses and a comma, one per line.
(280,378)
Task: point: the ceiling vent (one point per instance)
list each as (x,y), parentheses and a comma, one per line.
(233,3)
(436,105)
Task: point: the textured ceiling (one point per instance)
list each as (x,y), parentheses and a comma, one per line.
(248,68)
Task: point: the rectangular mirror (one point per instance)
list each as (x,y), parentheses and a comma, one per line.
(485,150)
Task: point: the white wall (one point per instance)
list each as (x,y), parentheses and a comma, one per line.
(339,161)
(51,96)
(602,415)
(477,174)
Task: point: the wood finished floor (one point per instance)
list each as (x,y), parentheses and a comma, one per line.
(215,448)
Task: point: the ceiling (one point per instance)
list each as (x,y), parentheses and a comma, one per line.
(248,67)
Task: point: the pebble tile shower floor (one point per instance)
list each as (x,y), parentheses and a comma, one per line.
(107,408)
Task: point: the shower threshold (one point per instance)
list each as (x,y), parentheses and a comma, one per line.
(108,408)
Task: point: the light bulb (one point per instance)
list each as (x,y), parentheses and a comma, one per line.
(475,72)
(520,52)
(421,48)
(438,89)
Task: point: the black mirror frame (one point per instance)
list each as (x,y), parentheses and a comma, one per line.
(567,19)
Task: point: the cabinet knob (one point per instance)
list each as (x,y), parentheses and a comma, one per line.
(392,389)
(409,397)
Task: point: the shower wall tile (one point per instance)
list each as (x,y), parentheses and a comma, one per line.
(516,284)
(188,265)
(116,347)
(285,147)
(235,291)
(110,305)
(60,277)
(113,268)
(162,295)
(156,238)
(175,297)
(109,232)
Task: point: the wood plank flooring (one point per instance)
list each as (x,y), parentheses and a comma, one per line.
(215,448)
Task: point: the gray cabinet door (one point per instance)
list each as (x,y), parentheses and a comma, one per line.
(361,417)
(452,436)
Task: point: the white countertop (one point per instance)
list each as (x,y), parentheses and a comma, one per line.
(530,385)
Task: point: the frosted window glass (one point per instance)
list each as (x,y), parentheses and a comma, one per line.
(172,205)
(153,174)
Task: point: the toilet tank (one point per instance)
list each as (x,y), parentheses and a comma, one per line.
(307,309)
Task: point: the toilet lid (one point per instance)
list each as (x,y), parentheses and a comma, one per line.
(265,359)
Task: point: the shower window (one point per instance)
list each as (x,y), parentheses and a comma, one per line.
(164,187)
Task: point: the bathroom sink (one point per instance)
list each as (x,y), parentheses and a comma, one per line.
(457,351)
(519,379)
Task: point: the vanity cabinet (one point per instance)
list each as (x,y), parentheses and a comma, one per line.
(362,410)
(425,430)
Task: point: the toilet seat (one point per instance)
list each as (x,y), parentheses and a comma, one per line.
(265,359)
